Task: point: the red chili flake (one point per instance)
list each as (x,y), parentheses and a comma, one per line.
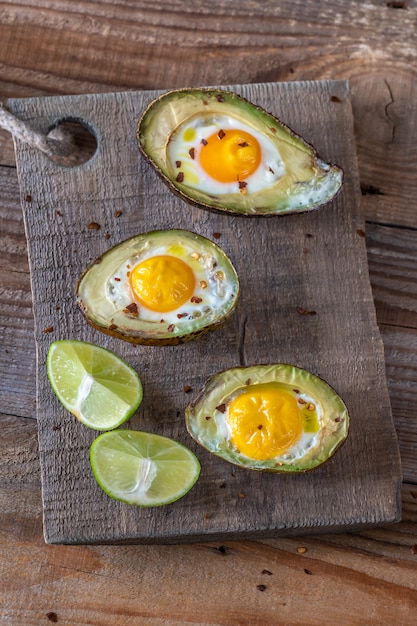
(221,134)
(308,571)
(180,177)
(58,213)
(117,213)
(242,186)
(301,401)
(208,417)
(261,587)
(178,164)
(196,299)
(93,226)
(302,311)
(243,144)
(187,389)
(161,321)
(221,408)
(191,152)
(98,261)
(271,170)
(204,142)
(181,315)
(53,617)
(338,419)
(107,236)
(335,99)
(219,97)
(28,197)
(259,427)
(57,308)
(112,327)
(117,279)
(132,309)
(171,328)
(296,390)
(266,572)
(273,130)
(361,232)
(56,427)
(48,329)
(217,235)
(248,382)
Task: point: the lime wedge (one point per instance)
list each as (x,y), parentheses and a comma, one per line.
(142,468)
(93,383)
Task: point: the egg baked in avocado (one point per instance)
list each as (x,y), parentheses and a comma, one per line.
(278,418)
(219,151)
(160,287)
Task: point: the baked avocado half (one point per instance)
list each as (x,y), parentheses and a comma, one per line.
(277,418)
(220,152)
(162,287)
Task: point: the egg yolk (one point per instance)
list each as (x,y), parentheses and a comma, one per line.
(264,421)
(230,155)
(162,283)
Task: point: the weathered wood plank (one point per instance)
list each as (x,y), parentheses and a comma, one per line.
(97,48)
(18,364)
(7,156)
(392,267)
(341,342)
(246,583)
(388,285)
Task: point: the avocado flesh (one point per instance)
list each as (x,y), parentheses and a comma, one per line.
(306,184)
(207,427)
(111,315)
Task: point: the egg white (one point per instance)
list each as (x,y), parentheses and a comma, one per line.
(210,285)
(269,170)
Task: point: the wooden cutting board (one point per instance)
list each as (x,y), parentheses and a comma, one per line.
(306,299)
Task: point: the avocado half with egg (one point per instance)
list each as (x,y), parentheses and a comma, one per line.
(219,151)
(161,287)
(277,418)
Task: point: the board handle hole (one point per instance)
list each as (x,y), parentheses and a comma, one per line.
(72,142)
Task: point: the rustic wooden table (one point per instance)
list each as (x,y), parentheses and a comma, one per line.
(48,48)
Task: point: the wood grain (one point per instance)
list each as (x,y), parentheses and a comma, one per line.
(328,274)
(283,580)
(363,578)
(106,46)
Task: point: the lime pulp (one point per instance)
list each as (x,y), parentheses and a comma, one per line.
(142,468)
